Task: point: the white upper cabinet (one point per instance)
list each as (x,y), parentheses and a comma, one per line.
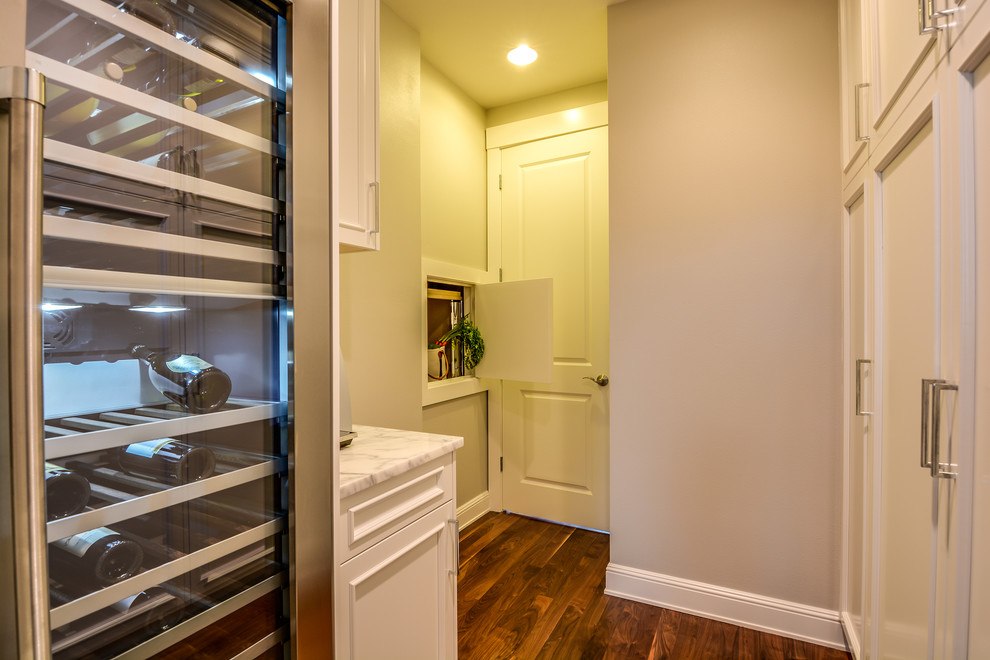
(855,80)
(900,50)
(355,124)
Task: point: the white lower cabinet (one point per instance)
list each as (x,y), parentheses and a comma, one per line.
(397,597)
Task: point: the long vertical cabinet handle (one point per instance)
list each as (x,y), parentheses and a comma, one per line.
(925,17)
(456,572)
(22,103)
(937,470)
(859,387)
(857,93)
(927,385)
(376,197)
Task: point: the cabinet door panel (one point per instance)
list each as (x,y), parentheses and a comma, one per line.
(900,49)
(979,632)
(355,136)
(860,406)
(909,222)
(855,120)
(399,595)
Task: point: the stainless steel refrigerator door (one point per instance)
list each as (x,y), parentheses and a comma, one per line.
(24,620)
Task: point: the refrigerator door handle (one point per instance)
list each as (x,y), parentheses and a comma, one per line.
(22,100)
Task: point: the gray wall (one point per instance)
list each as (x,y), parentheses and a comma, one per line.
(725,273)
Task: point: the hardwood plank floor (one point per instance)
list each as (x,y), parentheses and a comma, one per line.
(533,589)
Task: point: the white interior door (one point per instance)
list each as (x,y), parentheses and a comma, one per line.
(909,219)
(555,225)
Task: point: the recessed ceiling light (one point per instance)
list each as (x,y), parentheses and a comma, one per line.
(522,55)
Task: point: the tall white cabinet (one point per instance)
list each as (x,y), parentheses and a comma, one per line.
(911,108)
(354,130)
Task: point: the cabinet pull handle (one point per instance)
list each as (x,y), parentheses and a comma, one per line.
(925,11)
(927,16)
(937,471)
(376,197)
(860,137)
(457,547)
(859,388)
(927,385)
(21,119)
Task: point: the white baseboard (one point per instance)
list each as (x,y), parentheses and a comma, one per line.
(779,617)
(468,512)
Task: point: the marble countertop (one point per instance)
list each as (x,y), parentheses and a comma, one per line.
(377,454)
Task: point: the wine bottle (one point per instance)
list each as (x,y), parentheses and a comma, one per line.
(93,559)
(167,460)
(187,380)
(66,492)
(160,617)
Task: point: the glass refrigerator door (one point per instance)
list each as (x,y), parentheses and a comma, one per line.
(165,322)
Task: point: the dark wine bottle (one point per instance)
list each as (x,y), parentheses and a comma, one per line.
(93,559)
(66,492)
(159,617)
(167,460)
(187,380)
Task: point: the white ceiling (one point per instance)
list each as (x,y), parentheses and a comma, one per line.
(467,40)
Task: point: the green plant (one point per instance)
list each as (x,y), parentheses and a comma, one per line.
(470,338)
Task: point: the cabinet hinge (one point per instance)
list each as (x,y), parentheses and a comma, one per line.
(499,274)
(501,463)
(499,181)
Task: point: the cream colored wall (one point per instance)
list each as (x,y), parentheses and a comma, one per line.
(725,318)
(466,417)
(544,105)
(455,231)
(380,292)
(455,222)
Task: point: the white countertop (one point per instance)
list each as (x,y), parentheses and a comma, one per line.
(377,454)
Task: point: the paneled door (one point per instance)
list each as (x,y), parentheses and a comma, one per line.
(555,224)
(859,449)
(909,180)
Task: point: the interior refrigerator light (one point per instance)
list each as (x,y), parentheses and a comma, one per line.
(158,309)
(522,55)
(55,307)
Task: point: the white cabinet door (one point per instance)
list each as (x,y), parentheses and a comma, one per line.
(400,595)
(517,319)
(355,130)
(855,81)
(979,631)
(900,50)
(909,190)
(859,447)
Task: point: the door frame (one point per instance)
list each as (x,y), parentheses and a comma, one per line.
(577,119)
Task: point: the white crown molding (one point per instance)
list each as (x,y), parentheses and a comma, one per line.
(748,610)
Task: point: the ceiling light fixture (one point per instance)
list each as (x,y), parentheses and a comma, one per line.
(522,55)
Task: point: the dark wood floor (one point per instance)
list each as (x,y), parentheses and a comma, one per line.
(532,589)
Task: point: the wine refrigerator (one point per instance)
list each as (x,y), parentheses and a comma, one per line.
(147,329)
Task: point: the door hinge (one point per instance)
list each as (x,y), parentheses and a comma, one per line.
(499,274)
(501,463)
(499,181)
